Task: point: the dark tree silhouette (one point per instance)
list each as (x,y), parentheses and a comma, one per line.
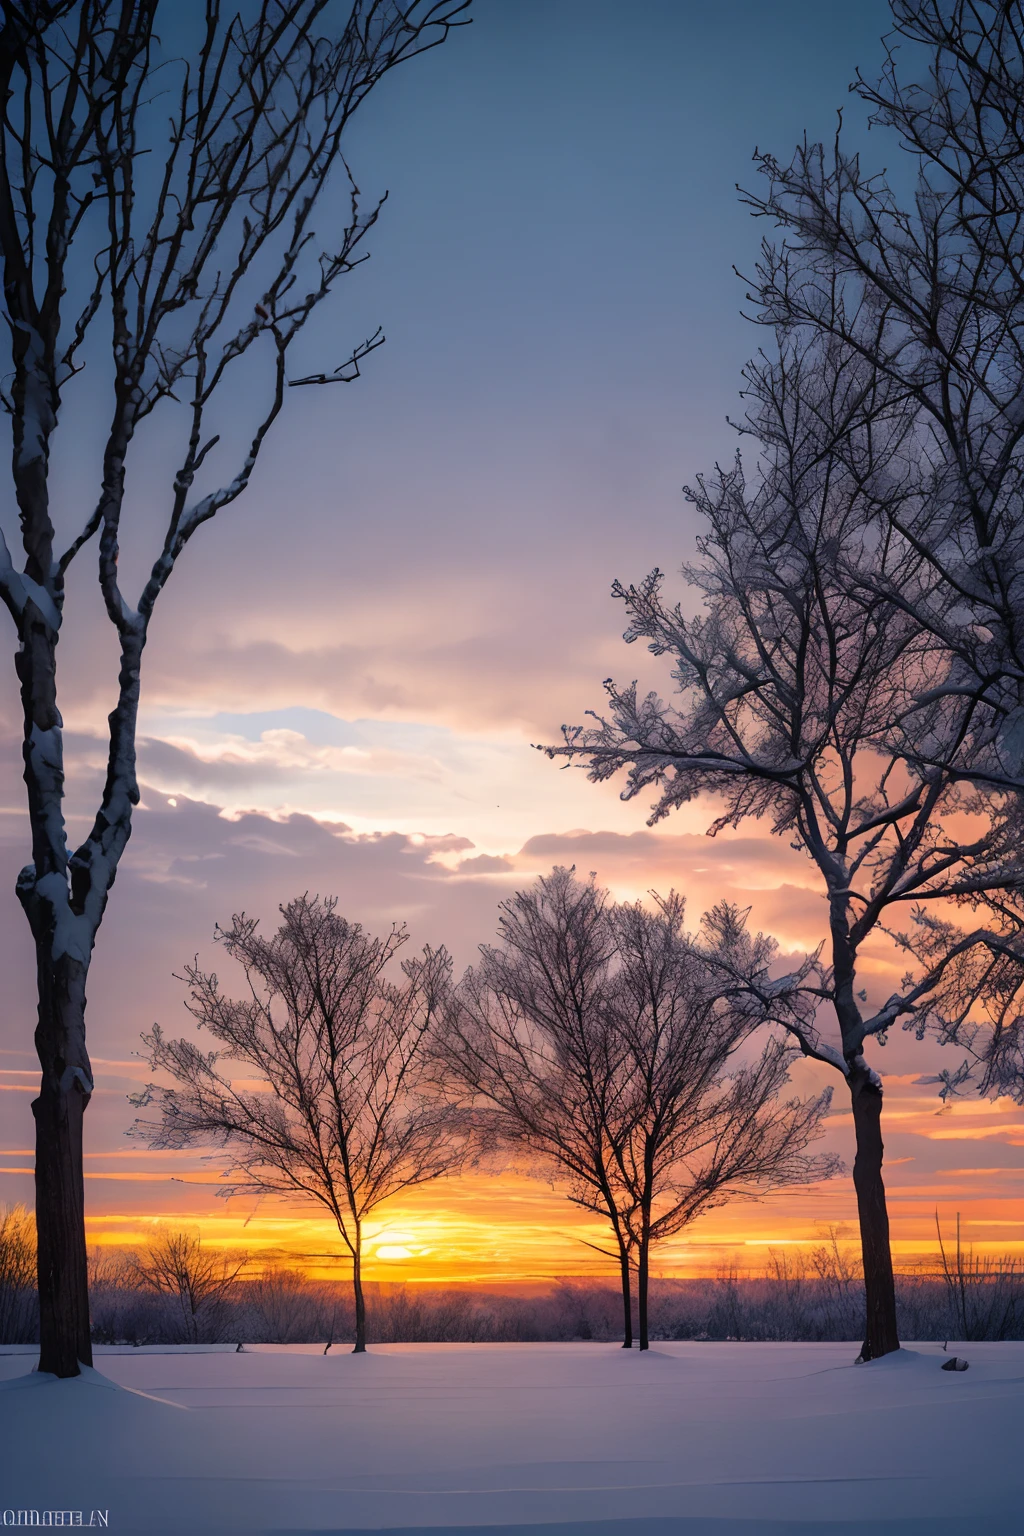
(196,1279)
(600,1039)
(704,1124)
(528,1041)
(340,1117)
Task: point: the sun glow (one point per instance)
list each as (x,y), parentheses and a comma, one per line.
(491,1231)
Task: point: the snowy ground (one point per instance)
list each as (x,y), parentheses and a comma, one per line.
(582,1439)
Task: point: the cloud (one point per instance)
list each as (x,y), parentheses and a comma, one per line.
(759,862)
(190,865)
(278,758)
(510,671)
(403,775)
(485,864)
(775,882)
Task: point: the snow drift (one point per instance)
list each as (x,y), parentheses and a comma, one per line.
(689,1440)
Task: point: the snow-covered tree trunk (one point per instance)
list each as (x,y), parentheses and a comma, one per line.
(64,899)
(60,1195)
(172,263)
(881,1335)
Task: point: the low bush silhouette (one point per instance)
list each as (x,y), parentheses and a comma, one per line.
(813,1297)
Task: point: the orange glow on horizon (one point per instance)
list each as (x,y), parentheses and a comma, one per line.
(487,1230)
(490,1229)
(493,1230)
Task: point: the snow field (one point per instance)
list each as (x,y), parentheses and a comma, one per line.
(688,1440)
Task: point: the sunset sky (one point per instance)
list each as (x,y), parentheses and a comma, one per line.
(351,663)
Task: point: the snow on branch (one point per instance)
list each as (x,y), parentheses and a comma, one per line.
(206,231)
(808,693)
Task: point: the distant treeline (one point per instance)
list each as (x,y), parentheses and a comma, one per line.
(178,1293)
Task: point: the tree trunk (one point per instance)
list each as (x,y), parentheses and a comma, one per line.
(64,900)
(642,1274)
(60,1193)
(880,1337)
(357,1290)
(627,1300)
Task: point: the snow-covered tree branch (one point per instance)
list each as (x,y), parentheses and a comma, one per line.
(928,290)
(171,207)
(794,688)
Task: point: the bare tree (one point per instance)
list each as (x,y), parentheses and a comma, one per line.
(528,1042)
(17,1275)
(794,686)
(701,1128)
(197,1279)
(288,1308)
(986,1297)
(168,204)
(597,1037)
(340,1117)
